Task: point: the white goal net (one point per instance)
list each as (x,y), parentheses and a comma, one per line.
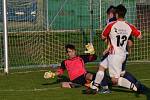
(39,29)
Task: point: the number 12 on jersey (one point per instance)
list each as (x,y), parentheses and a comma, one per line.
(121,40)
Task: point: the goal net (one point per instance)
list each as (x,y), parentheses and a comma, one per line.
(39,29)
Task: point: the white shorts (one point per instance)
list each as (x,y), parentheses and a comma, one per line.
(114,64)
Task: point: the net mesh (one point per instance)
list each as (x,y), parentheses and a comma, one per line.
(39,29)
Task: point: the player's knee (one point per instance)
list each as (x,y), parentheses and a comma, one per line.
(114,81)
(89,76)
(101,68)
(65,85)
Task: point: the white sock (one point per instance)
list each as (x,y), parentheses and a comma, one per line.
(127,84)
(99,77)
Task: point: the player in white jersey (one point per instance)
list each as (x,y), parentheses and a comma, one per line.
(118,32)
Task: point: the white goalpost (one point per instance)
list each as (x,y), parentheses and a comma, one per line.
(5,37)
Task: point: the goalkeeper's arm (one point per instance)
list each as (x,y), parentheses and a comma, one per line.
(51,74)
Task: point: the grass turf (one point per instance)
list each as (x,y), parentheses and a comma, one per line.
(32,86)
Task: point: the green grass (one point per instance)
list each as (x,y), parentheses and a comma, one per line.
(32,86)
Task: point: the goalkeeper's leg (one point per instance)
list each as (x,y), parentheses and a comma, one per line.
(69,85)
(77,82)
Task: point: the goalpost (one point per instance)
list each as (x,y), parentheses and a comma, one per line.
(37,30)
(5,39)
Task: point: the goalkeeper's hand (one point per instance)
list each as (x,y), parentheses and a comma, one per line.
(90,48)
(49,74)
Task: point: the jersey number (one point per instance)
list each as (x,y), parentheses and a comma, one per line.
(121,40)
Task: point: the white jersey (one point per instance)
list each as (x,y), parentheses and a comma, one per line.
(118,32)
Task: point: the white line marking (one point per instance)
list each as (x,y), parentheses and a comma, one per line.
(26,72)
(40,89)
(29,90)
(145,79)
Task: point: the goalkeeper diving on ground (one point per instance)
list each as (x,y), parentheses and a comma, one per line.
(75,66)
(78,75)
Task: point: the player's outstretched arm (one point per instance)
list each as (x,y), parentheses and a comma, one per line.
(50,74)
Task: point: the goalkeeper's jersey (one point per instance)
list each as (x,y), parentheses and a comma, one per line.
(118,32)
(76,66)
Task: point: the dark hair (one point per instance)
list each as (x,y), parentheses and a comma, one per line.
(111,9)
(70,46)
(121,11)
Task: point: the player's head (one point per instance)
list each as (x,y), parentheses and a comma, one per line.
(111,11)
(121,11)
(70,50)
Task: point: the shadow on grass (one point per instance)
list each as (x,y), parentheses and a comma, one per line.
(52,83)
(146,93)
(120,89)
(58,80)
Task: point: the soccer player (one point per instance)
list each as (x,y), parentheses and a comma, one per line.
(75,66)
(118,33)
(111,16)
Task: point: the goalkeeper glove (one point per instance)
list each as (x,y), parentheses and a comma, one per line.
(49,74)
(90,48)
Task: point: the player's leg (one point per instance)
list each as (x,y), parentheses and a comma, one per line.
(99,75)
(115,69)
(81,80)
(104,83)
(131,78)
(126,74)
(89,77)
(94,86)
(78,82)
(140,87)
(66,84)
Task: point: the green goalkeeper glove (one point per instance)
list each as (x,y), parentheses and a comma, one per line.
(49,74)
(90,48)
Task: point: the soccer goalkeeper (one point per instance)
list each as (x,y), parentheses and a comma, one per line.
(75,66)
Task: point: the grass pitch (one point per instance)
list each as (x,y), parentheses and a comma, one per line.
(30,85)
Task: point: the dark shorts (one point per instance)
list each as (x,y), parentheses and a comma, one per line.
(80,80)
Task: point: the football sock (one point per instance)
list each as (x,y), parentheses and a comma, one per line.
(127,84)
(104,82)
(130,77)
(98,78)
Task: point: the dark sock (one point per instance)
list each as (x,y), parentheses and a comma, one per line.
(130,77)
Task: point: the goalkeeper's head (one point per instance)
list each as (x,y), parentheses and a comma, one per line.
(70,50)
